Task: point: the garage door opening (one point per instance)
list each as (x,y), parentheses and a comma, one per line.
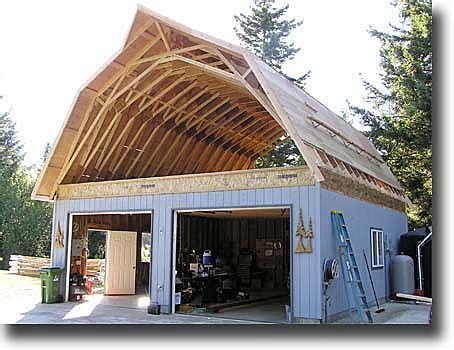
(233,263)
(110,258)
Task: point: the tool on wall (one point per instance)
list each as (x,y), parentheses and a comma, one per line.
(373,286)
(353,284)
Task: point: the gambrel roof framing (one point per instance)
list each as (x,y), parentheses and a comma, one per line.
(175,101)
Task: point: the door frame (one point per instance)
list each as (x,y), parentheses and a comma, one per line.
(175,213)
(70,235)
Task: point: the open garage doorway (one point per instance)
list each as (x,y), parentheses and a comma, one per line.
(110,258)
(233,263)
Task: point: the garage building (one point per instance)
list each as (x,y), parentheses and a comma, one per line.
(158,152)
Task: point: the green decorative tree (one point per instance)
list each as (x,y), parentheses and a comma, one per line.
(265,32)
(398,116)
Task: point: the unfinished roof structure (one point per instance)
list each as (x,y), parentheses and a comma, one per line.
(175,101)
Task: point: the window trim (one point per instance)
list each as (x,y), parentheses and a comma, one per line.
(380,258)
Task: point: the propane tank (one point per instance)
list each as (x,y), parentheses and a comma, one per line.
(402,274)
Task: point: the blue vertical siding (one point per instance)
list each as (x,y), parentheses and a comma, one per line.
(360,217)
(305,268)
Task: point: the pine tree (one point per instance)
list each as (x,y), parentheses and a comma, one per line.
(10,148)
(25,225)
(265,32)
(398,119)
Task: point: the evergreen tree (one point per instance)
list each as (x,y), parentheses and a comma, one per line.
(286,154)
(10,148)
(25,225)
(398,118)
(265,32)
(46,153)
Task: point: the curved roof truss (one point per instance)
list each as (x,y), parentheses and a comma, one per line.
(176,101)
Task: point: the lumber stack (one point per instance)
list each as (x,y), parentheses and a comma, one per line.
(30,265)
(96,267)
(27,265)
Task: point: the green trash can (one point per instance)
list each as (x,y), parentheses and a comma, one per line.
(50,284)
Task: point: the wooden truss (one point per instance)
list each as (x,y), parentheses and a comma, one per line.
(174,101)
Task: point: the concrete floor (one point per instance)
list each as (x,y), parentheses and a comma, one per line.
(20,303)
(273,312)
(397,313)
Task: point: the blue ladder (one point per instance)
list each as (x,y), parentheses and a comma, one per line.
(354,288)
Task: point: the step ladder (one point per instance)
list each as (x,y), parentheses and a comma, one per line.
(354,289)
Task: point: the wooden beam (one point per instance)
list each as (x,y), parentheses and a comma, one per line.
(222,156)
(167,54)
(176,97)
(210,111)
(255,142)
(132,145)
(144,148)
(183,149)
(153,154)
(119,113)
(226,120)
(190,87)
(69,161)
(163,37)
(148,104)
(167,154)
(180,121)
(116,77)
(237,164)
(262,98)
(190,157)
(241,130)
(414,297)
(231,78)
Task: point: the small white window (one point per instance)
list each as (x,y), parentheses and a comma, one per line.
(377,248)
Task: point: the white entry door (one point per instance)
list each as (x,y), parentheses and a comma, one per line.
(120,263)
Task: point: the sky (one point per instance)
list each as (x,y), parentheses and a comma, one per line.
(50,49)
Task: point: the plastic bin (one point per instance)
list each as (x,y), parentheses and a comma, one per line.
(50,284)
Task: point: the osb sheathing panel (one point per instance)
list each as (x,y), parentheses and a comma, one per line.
(60,155)
(299,106)
(349,187)
(46,184)
(104,77)
(225,181)
(125,56)
(77,113)
(140,19)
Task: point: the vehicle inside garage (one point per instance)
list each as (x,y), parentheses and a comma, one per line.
(234,263)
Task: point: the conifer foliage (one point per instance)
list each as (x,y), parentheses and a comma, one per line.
(265,31)
(25,225)
(398,115)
